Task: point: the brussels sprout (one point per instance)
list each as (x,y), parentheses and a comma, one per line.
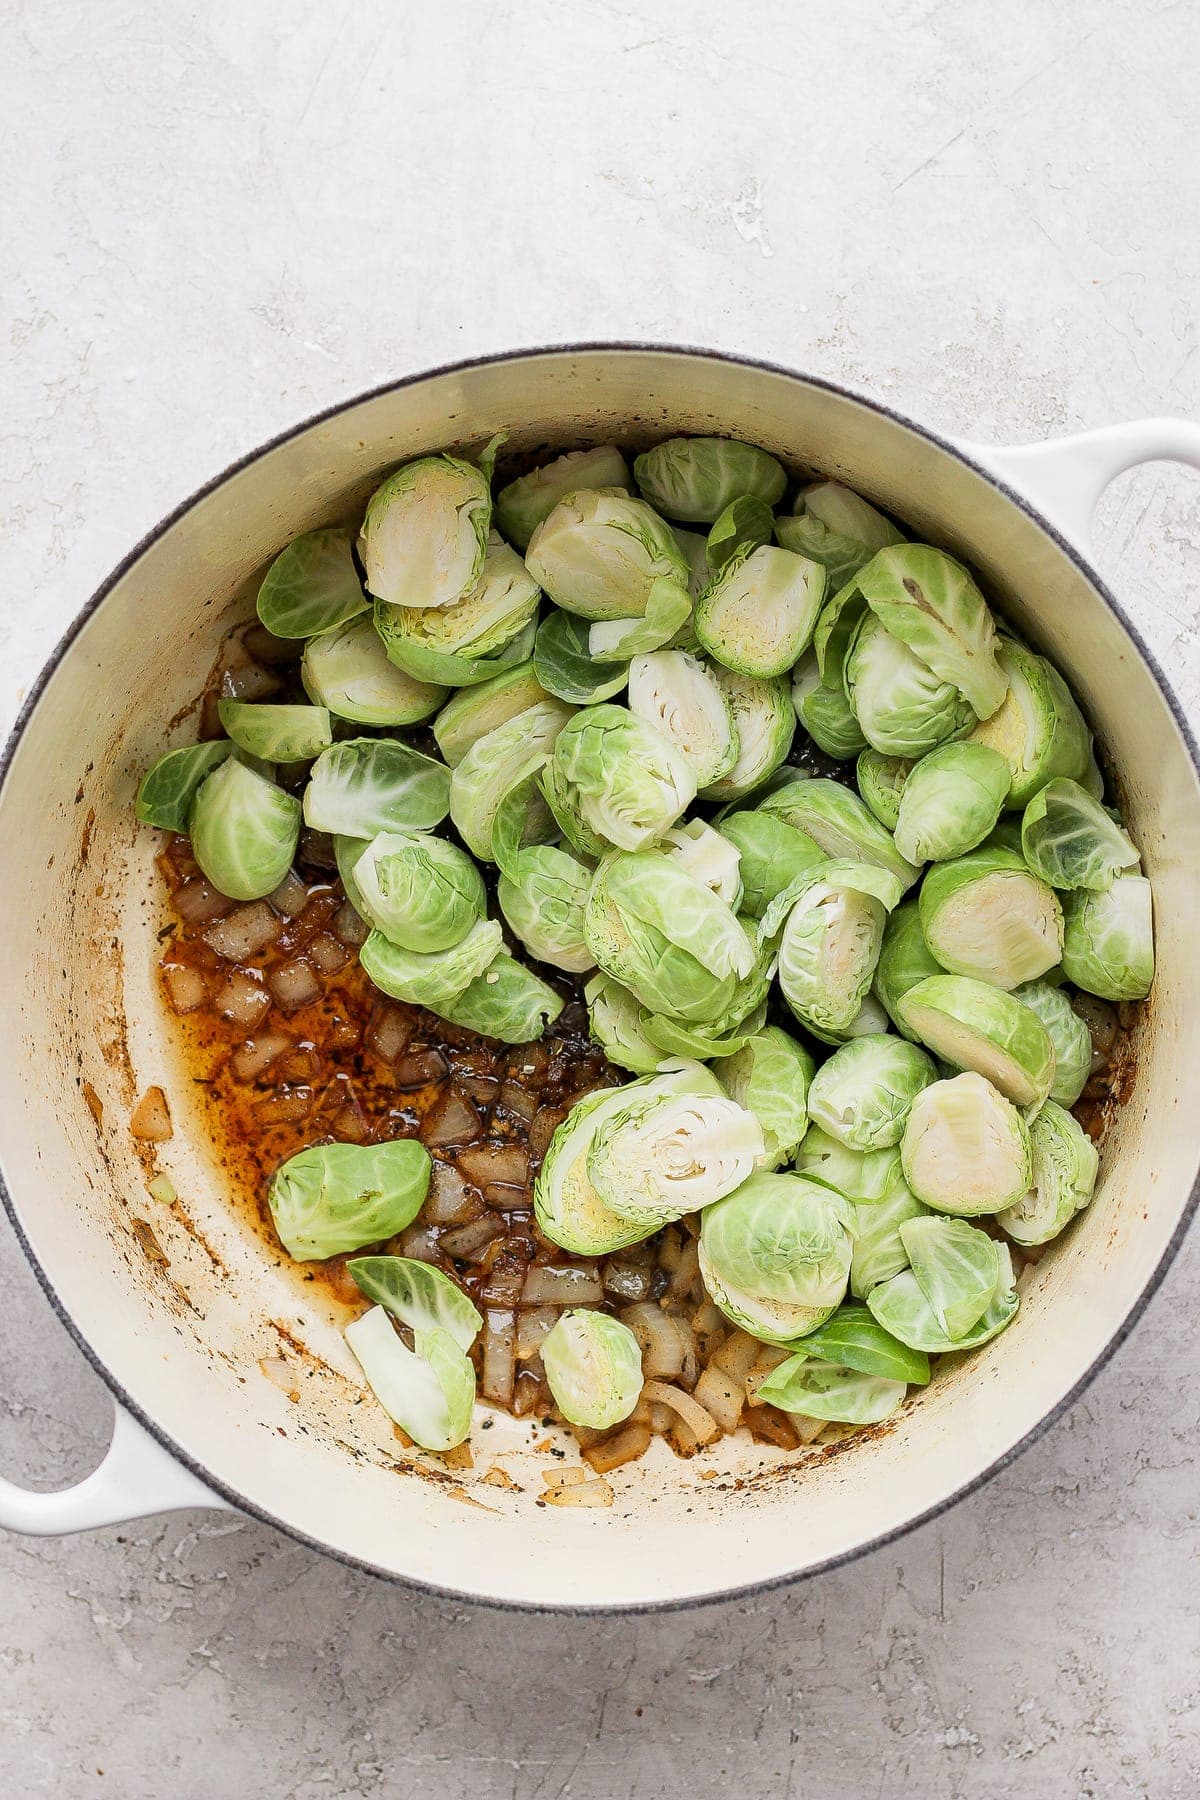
(775,1255)
(525,502)
(904,959)
(709,856)
(1108,941)
(459,644)
(757,615)
(694,545)
(863,1093)
(817,1389)
(668,609)
(432,978)
(838,822)
(346,851)
(861,1175)
(666,937)
(682,699)
(332,1198)
(951,802)
(276,733)
(425,532)
(770,1077)
(901,1308)
(244,831)
(765,726)
(1070,841)
(544,902)
(363,786)
(1065,1166)
(828,952)
(974,1025)
(454,669)
(696,478)
(824,711)
(869,1021)
(838,871)
(562,801)
(837,528)
(966,1149)
(508,1002)
(423,893)
(419,1296)
(1069,1036)
(474,711)
(564,664)
(725,1033)
(958,1268)
(986,915)
(617,1023)
(495,764)
(629,782)
(745,524)
(853,1340)
(311,587)
(428,1391)
(348,672)
(1038,730)
(663,1155)
(879,1251)
(930,602)
(881,782)
(599,553)
(171,784)
(593,1368)
(903,708)
(772,856)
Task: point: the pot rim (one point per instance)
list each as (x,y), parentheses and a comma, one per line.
(458,366)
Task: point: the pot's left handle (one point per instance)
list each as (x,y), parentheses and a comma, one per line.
(137,1478)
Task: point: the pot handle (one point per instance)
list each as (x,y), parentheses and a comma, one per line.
(136,1478)
(1065,477)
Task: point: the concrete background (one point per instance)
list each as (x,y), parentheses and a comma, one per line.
(218,218)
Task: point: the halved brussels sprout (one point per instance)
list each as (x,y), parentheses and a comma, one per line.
(709,856)
(828,952)
(599,553)
(425,531)
(869,1021)
(495,764)
(428,1391)
(904,959)
(525,502)
(1070,1037)
(985,915)
(757,615)
(311,587)
(903,708)
(1038,730)
(363,786)
(854,1340)
(881,782)
(931,603)
(1108,941)
(663,1155)
(1065,1166)
(950,802)
(432,978)
(775,1255)
(838,822)
(824,711)
(593,1368)
(745,524)
(681,698)
(966,1149)
(1070,841)
(244,831)
(347,671)
(817,1389)
(901,1308)
(772,856)
(765,725)
(958,1268)
(420,1296)
(474,711)
(668,609)
(171,784)
(974,1025)
(868,1176)
(694,545)
(276,733)
(724,1036)
(863,1093)
(616,1020)
(879,1251)
(839,871)
(629,782)
(332,1198)
(459,644)
(562,802)
(508,1002)
(422,892)
(696,478)
(544,901)
(837,528)
(565,666)
(770,1077)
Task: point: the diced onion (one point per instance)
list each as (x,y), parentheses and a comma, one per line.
(661,1345)
(698,1420)
(534,1325)
(468,1241)
(561,1285)
(499,1352)
(150,1122)
(242,999)
(328,953)
(349,927)
(506,1163)
(186,987)
(255,1056)
(582,1493)
(389,1032)
(721,1396)
(294,984)
(198,903)
(291,896)
(453,1121)
(450,1200)
(244,932)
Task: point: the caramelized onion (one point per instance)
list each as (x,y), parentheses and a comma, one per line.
(499,1353)
(244,932)
(452,1121)
(559,1284)
(505,1163)
(186,987)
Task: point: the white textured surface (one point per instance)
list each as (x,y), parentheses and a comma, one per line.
(218,219)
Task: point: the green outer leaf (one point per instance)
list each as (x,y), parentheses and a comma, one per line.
(676,1039)
(852,1339)
(171,784)
(901,1308)
(429,1392)
(695,478)
(629,782)
(563,803)
(363,786)
(564,665)
(244,831)
(821,1390)
(435,978)
(277,733)
(420,1296)
(1108,940)
(542,895)
(668,607)
(958,1269)
(593,1367)
(522,819)
(879,1251)
(986,915)
(617,1023)
(1070,1037)
(822,941)
(746,523)
(347,851)
(866,1176)
(681,698)
(765,724)
(1065,1166)
(474,711)
(347,670)
(904,959)
(838,822)
(757,616)
(822,708)
(770,1076)
(881,782)
(1071,841)
(496,764)
(951,801)
(332,1198)
(904,709)
(422,892)
(524,503)
(974,1025)
(311,587)
(861,1094)
(507,1002)
(837,528)
(448,668)
(931,603)
(780,1240)
(772,853)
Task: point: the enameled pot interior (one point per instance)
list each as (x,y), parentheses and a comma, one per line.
(182,1334)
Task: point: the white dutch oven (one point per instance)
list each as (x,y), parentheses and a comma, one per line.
(197,1421)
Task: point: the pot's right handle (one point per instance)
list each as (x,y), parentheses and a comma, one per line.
(137,1478)
(1065,477)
